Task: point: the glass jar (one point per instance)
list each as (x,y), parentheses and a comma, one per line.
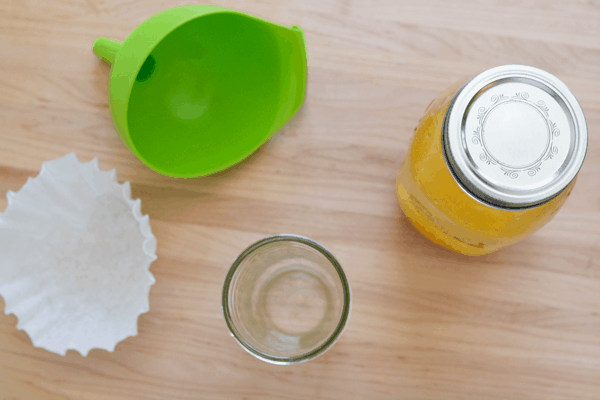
(286,299)
(493,159)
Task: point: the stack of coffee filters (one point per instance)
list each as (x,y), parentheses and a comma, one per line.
(75,254)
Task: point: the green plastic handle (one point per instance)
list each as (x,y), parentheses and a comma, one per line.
(107,49)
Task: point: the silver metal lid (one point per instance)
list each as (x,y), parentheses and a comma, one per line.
(514,136)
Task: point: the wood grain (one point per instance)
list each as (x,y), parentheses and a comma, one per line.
(522,323)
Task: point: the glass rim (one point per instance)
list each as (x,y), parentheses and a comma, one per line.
(333,337)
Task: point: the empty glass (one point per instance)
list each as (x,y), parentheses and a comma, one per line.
(286,299)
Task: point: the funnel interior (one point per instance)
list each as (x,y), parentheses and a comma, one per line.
(207,95)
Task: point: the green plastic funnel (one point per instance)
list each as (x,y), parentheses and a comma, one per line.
(196,89)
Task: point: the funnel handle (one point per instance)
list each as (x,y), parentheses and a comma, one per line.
(107,49)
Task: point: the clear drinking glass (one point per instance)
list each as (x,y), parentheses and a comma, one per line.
(286,299)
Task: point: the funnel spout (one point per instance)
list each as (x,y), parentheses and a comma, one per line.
(107,49)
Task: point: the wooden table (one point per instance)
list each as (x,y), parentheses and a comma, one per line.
(426,323)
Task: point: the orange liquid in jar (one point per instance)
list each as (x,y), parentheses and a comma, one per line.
(443,211)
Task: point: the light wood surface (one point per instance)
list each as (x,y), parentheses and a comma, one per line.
(522,323)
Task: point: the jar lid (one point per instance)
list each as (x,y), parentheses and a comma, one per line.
(514,136)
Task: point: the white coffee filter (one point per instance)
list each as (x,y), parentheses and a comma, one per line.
(75,253)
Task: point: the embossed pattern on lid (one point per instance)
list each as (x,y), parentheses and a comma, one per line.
(514,136)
